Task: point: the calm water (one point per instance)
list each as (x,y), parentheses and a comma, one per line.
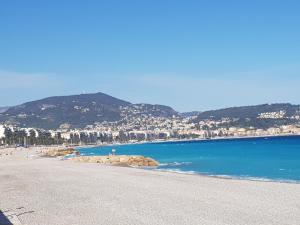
(276,158)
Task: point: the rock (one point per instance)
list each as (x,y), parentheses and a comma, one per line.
(114,159)
(119,160)
(124,159)
(60,152)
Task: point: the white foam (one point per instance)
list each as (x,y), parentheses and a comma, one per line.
(224,176)
(177,171)
(175,164)
(255,178)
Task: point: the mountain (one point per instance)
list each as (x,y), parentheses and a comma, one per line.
(3,109)
(248,111)
(258,116)
(78,111)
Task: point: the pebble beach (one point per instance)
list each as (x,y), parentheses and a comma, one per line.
(35,190)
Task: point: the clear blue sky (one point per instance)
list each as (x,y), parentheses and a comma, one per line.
(191,55)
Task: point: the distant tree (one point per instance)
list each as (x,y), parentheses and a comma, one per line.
(32,137)
(8,136)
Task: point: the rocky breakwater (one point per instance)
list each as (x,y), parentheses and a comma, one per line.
(60,152)
(119,160)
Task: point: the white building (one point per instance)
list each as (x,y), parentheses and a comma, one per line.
(2,129)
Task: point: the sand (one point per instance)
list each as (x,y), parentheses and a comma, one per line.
(45,191)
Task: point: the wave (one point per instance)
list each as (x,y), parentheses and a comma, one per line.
(177,171)
(245,177)
(224,176)
(175,164)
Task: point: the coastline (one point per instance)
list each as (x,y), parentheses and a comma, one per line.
(40,149)
(20,154)
(186,140)
(221,176)
(93,193)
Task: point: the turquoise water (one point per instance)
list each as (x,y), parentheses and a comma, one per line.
(274,158)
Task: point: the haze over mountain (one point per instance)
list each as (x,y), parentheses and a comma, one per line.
(3,108)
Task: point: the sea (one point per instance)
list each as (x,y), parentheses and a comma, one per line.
(263,158)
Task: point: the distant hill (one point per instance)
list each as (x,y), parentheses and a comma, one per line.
(254,116)
(248,111)
(78,111)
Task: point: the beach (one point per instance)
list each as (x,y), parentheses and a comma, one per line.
(36,190)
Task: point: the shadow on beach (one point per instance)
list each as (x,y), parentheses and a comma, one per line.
(4,220)
(10,217)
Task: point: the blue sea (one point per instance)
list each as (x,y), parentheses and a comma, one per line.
(272,158)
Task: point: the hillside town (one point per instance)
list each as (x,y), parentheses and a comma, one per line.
(143,128)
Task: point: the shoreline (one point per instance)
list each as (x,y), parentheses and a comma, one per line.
(41,149)
(37,151)
(227,177)
(223,176)
(152,142)
(186,140)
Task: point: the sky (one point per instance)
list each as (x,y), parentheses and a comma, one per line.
(190,55)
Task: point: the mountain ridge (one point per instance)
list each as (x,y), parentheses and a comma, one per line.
(261,116)
(78,111)
(248,111)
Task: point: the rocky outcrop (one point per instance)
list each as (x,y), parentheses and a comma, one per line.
(60,152)
(119,160)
